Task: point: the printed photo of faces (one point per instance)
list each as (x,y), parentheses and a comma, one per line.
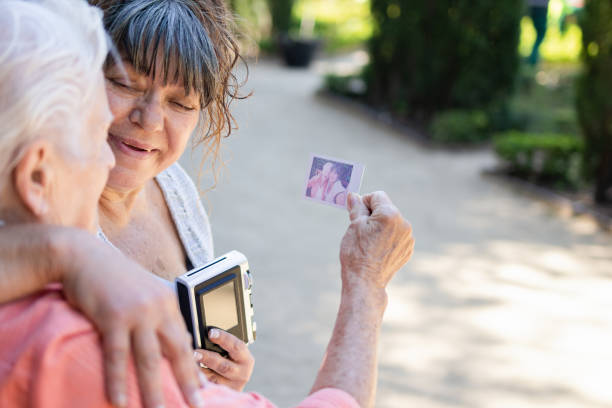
(330,180)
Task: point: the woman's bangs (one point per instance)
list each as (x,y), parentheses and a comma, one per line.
(141,32)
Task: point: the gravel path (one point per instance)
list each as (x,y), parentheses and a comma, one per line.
(503,305)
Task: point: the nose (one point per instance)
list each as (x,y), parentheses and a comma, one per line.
(148,114)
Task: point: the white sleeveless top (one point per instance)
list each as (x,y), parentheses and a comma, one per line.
(336,189)
(188,215)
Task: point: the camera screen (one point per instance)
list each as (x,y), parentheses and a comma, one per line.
(220,306)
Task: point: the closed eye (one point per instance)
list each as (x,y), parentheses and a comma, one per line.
(184,107)
(122,85)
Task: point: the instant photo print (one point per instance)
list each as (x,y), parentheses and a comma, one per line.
(329,180)
(218,295)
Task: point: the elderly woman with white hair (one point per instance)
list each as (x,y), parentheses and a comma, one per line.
(55,165)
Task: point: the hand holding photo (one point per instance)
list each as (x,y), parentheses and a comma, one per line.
(329,180)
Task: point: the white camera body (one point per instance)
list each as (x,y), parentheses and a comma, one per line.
(218,295)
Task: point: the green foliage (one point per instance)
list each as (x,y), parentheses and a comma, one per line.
(594,99)
(552,159)
(341,23)
(347,85)
(545,99)
(252,19)
(280,13)
(431,56)
(460,127)
(563,41)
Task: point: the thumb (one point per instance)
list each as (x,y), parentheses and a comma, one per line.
(356,207)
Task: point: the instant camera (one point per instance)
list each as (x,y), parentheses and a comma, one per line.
(218,295)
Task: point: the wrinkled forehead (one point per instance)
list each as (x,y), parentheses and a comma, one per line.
(165,39)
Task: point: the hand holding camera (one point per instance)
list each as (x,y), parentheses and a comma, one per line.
(233,371)
(217,306)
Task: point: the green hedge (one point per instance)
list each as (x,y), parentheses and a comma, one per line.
(594,101)
(460,127)
(348,85)
(553,159)
(428,56)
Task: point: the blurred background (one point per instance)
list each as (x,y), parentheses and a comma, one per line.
(490,126)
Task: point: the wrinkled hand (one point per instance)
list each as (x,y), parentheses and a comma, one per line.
(234,371)
(134,311)
(377,243)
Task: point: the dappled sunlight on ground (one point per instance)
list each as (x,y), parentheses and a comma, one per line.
(505,303)
(515,323)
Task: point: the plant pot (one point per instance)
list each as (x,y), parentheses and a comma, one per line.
(298,52)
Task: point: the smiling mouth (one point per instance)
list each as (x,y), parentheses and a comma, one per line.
(131,148)
(138,149)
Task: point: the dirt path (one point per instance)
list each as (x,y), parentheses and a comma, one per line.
(503,304)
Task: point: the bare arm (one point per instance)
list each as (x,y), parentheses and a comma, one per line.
(30,258)
(378,242)
(132,310)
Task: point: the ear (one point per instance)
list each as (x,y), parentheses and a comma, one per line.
(33,176)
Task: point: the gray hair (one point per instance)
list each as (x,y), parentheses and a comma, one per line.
(196,43)
(142,28)
(51,56)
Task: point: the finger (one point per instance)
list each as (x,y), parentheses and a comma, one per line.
(356,207)
(220,365)
(176,346)
(147,355)
(375,200)
(236,348)
(382,207)
(215,378)
(116,347)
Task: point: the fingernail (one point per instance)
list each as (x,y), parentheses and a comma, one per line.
(213,333)
(350,201)
(196,400)
(120,400)
(198,356)
(203,380)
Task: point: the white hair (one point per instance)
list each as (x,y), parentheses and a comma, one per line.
(51,56)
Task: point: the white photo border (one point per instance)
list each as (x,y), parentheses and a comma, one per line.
(354,182)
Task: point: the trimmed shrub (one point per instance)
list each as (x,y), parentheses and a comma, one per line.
(348,85)
(429,56)
(460,127)
(552,159)
(594,95)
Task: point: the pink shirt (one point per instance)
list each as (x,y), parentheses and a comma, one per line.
(50,356)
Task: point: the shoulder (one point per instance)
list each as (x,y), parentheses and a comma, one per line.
(190,218)
(45,316)
(45,344)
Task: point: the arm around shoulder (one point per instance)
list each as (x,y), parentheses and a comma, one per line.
(34,255)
